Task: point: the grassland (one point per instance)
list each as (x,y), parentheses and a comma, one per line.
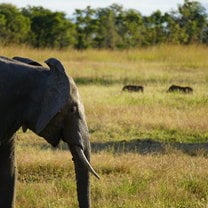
(150,149)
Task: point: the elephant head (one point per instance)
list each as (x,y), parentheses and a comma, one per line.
(68,124)
(54,111)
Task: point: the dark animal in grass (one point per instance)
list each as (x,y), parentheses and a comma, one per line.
(133,88)
(176,88)
(47,102)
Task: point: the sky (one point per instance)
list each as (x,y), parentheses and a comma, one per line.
(146,7)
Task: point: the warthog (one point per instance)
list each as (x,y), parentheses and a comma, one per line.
(176,88)
(133,88)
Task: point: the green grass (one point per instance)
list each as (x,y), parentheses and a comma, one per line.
(154,114)
(128,131)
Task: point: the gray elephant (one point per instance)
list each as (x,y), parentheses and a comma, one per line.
(47,102)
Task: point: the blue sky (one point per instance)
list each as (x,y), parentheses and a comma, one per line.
(146,7)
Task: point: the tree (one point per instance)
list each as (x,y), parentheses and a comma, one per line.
(86,27)
(188,23)
(111,27)
(131,28)
(14,26)
(49,29)
(172,28)
(155,28)
(192,19)
(108,27)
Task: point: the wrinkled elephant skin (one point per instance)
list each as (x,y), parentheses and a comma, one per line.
(46,101)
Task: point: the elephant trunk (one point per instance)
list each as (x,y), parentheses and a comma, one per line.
(82,168)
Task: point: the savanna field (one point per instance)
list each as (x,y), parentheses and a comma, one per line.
(150,148)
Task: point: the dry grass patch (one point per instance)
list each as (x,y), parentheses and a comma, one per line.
(127,180)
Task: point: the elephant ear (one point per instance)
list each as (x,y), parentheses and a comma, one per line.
(26,61)
(56,93)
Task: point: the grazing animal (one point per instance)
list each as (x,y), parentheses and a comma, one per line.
(133,88)
(176,88)
(46,101)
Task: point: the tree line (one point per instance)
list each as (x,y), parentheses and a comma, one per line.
(112,27)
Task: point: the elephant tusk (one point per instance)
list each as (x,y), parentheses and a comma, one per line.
(85,161)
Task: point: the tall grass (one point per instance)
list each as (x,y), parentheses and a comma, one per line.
(174,179)
(128,180)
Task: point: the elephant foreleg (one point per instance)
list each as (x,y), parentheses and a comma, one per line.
(7,174)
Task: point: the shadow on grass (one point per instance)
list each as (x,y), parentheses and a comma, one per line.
(96,81)
(150,146)
(107,80)
(140,146)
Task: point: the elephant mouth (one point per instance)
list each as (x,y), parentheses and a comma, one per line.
(85,162)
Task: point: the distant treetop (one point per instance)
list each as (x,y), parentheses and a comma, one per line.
(112,27)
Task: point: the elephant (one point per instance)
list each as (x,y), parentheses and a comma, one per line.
(176,88)
(133,88)
(46,101)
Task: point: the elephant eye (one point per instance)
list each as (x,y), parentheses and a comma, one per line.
(73,109)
